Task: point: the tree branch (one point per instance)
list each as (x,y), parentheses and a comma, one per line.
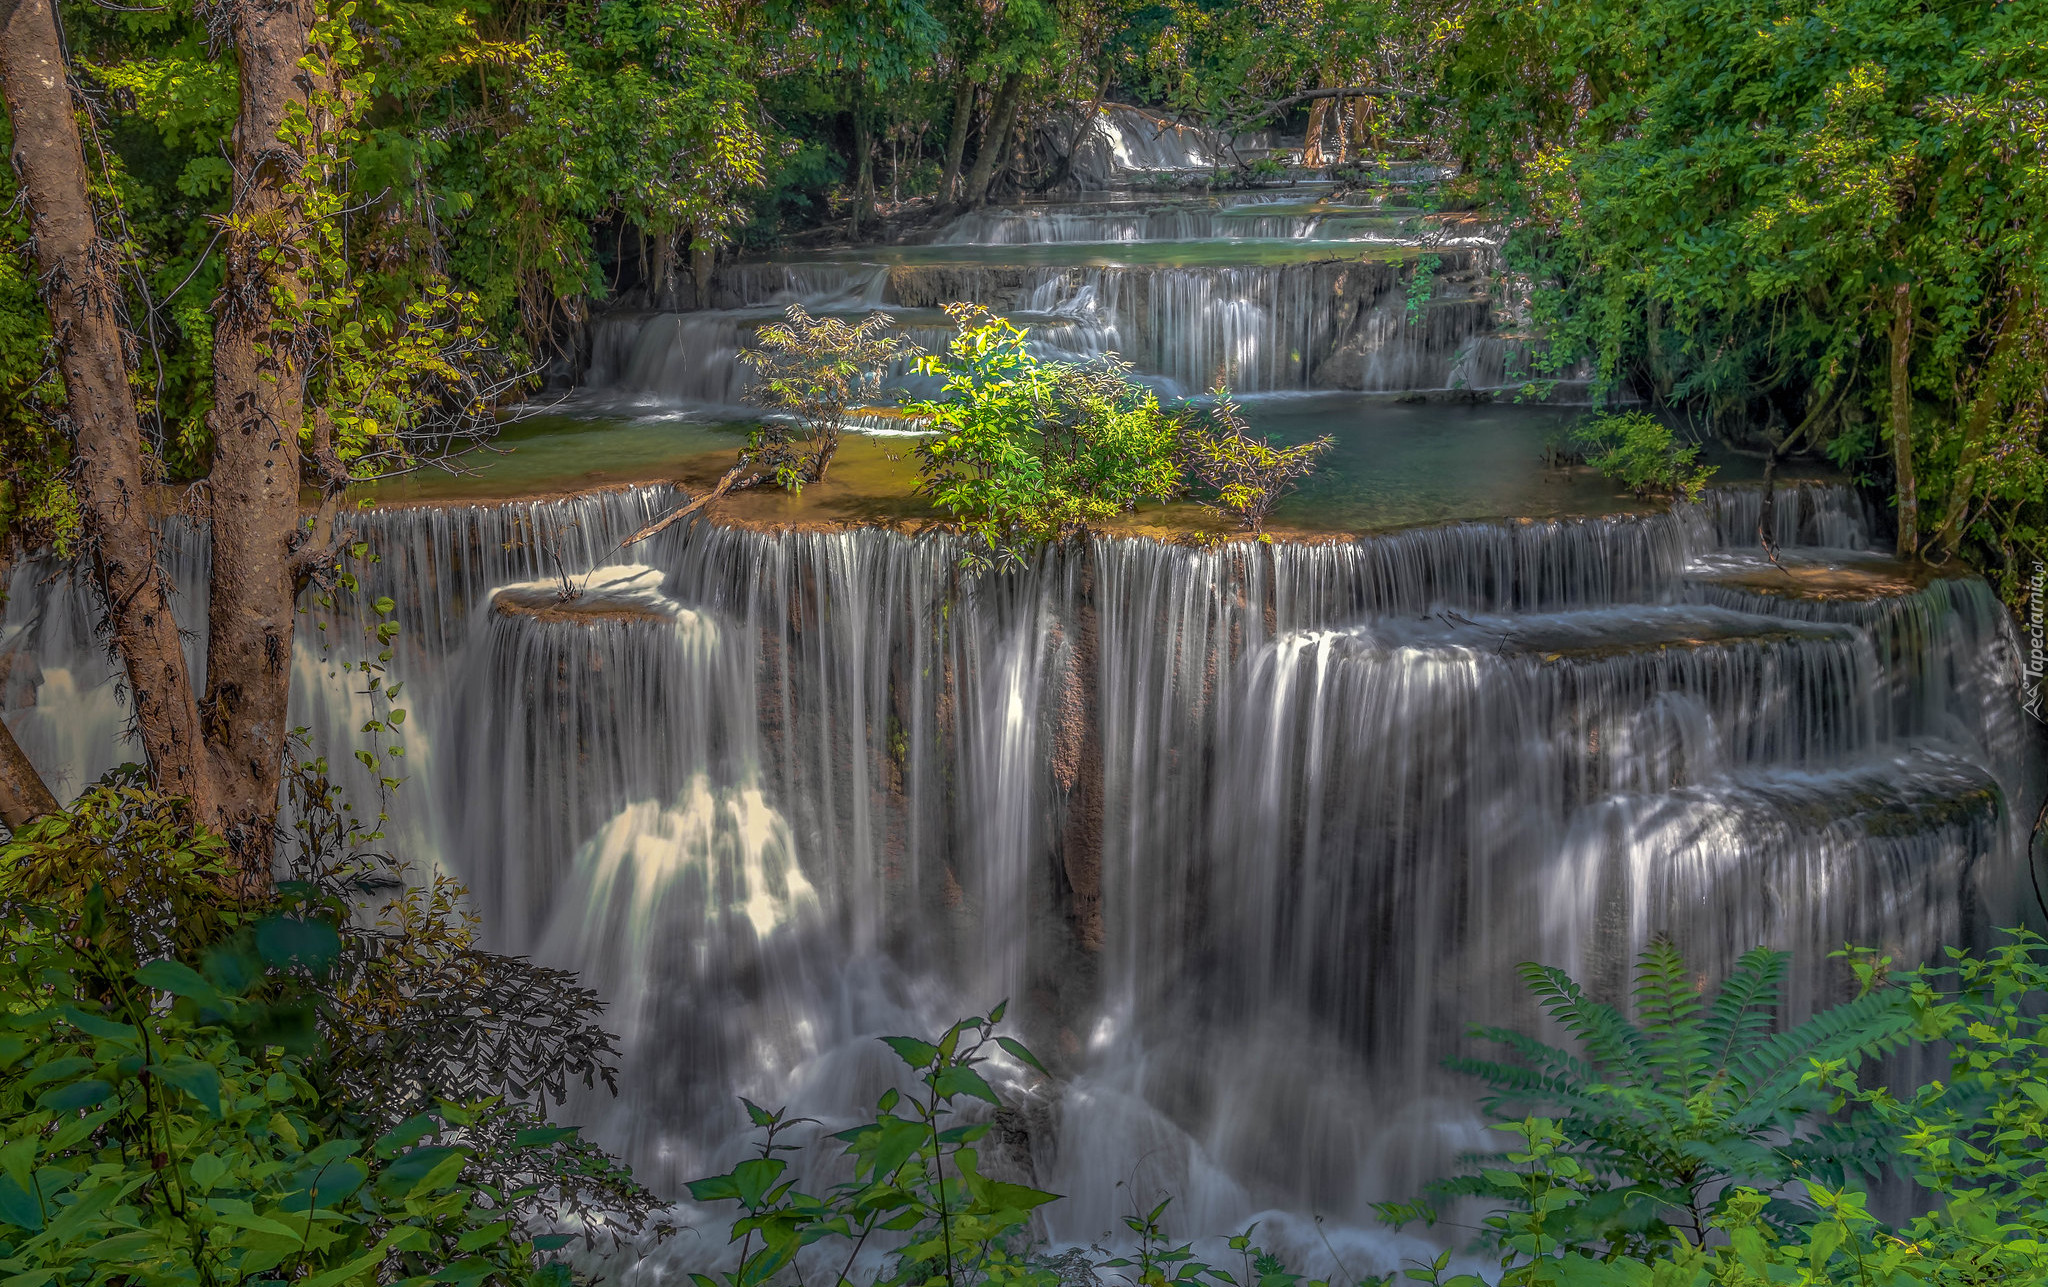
(1296,100)
(676,515)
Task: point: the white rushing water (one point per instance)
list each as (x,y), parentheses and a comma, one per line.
(1248,835)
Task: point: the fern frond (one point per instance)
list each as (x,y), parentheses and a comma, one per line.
(1745,1006)
(1669,1004)
(1610,1039)
(1547,1059)
(1762,1080)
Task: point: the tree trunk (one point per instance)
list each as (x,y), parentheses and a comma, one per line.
(1312,139)
(661,283)
(701,267)
(83,300)
(23,797)
(1902,418)
(863,166)
(259,411)
(956,139)
(1990,394)
(995,140)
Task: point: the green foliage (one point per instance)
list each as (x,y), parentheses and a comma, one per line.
(1722,201)
(379,1060)
(1638,450)
(1421,287)
(1249,474)
(1027,451)
(1644,1134)
(915,1174)
(147,1139)
(1977,1140)
(815,368)
(1973,1142)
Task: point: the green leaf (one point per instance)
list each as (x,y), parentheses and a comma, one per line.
(422,1170)
(77,1095)
(290,940)
(755,1176)
(1020,1054)
(715,1188)
(958,1079)
(484,1236)
(57,1070)
(17,1206)
(199,1080)
(179,979)
(542,1136)
(407,1133)
(918,1054)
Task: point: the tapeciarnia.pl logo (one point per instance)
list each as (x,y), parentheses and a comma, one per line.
(2033,668)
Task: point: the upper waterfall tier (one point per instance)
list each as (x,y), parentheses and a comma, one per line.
(1294,289)
(1324,323)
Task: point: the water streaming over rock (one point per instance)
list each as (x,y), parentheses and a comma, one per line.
(1248,834)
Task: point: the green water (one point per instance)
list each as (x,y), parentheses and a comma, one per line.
(1392,464)
(1213,252)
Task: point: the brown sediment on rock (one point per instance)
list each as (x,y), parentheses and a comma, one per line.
(1077,769)
(550,605)
(1853,582)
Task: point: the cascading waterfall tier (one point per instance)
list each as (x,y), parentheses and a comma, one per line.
(1325,314)
(1247,834)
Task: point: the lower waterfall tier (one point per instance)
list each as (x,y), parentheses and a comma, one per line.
(1248,834)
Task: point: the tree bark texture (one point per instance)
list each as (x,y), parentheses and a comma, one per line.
(956,140)
(83,297)
(259,409)
(23,797)
(1902,418)
(995,140)
(863,164)
(1077,765)
(1991,389)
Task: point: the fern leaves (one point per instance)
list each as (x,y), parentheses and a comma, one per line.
(1698,1093)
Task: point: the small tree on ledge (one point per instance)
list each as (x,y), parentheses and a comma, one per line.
(816,369)
(1250,475)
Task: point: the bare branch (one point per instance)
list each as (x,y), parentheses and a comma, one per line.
(676,515)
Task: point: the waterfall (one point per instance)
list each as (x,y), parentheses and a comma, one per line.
(1247,834)
(1329,324)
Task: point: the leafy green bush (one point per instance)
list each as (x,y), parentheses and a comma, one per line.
(200,1090)
(148,1139)
(1029,451)
(1656,1121)
(1974,1141)
(915,1174)
(1640,451)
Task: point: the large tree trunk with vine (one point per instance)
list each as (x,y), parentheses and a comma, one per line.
(1902,419)
(83,298)
(1991,390)
(995,140)
(259,410)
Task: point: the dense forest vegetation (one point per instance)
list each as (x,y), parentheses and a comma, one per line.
(272,247)
(1810,229)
